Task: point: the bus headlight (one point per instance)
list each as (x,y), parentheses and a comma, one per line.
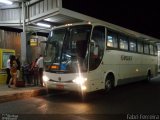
(45,78)
(83,87)
(80,80)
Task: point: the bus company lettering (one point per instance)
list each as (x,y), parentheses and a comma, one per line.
(126,58)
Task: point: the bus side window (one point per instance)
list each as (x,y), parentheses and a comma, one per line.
(123,42)
(140,47)
(151,49)
(112,40)
(97,47)
(146,48)
(155,50)
(94,48)
(132,45)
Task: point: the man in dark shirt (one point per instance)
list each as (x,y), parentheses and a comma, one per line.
(8,70)
(18,66)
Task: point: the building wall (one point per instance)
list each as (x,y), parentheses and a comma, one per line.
(34,52)
(12,40)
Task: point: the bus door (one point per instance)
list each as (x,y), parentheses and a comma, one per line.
(97,45)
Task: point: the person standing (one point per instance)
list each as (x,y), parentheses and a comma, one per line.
(8,70)
(39,63)
(34,70)
(18,66)
(13,71)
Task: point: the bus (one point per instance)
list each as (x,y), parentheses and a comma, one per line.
(87,57)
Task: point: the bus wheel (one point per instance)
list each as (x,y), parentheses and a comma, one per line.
(109,83)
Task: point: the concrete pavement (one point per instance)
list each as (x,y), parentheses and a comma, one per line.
(9,94)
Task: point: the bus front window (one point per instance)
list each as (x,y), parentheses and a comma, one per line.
(66,50)
(53,48)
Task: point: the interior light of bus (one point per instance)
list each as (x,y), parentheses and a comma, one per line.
(110,37)
(68,55)
(109,40)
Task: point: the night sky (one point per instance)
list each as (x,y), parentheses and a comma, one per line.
(143,17)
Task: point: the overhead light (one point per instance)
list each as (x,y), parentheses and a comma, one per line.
(51,19)
(44,25)
(6,2)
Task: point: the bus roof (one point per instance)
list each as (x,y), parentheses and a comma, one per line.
(78,18)
(118,29)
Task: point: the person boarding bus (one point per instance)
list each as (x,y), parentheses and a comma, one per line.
(39,63)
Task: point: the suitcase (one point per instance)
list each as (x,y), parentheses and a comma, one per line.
(20,83)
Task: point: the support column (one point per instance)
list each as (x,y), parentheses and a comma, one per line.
(23,36)
(59,3)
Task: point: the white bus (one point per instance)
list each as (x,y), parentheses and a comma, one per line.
(86,57)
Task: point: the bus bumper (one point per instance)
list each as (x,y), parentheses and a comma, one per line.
(65,86)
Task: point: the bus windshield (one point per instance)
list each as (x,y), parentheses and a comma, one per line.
(66,49)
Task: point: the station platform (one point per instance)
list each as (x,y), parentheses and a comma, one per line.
(10,94)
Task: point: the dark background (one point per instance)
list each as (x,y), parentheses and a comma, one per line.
(141,16)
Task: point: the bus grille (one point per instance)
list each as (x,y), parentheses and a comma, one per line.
(68,81)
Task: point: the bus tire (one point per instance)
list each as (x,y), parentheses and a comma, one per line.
(109,82)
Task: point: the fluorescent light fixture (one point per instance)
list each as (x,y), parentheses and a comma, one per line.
(52,19)
(44,25)
(6,2)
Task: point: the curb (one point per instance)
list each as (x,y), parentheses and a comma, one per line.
(22,95)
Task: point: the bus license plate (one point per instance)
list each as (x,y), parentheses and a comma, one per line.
(60,86)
